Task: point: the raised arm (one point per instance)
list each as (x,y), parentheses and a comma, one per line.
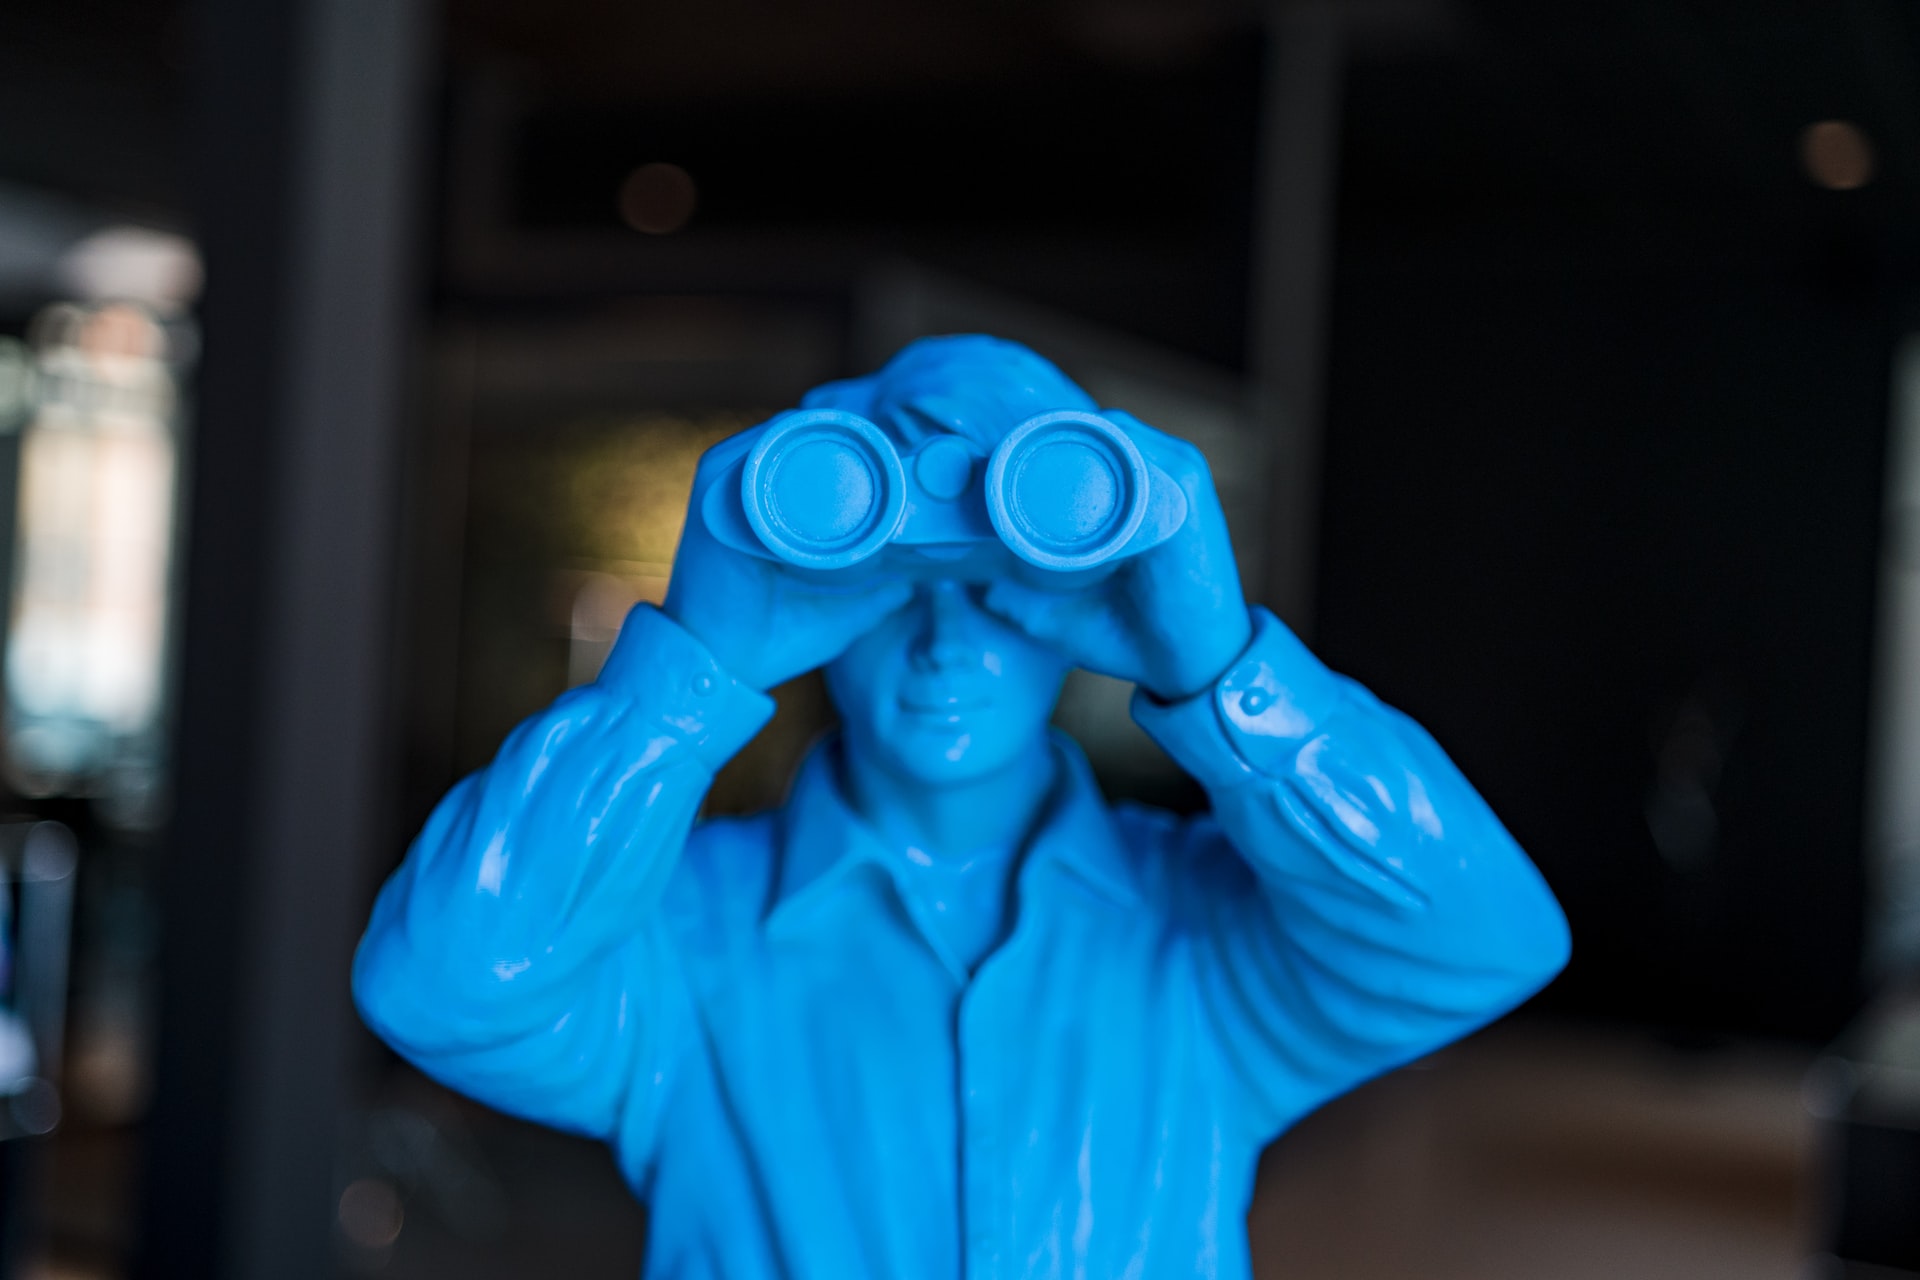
(1355,902)
(512,956)
(1359,904)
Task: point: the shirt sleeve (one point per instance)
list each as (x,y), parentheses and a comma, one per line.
(515,954)
(1359,903)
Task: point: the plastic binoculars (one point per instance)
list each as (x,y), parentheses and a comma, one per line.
(823,489)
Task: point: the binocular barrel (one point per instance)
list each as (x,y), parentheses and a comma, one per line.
(1067,490)
(826,489)
(823,489)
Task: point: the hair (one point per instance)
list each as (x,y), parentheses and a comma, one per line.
(968,385)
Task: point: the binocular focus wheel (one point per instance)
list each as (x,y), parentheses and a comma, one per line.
(1067,490)
(823,488)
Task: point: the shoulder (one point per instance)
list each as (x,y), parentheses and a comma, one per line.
(1145,829)
(1177,856)
(726,870)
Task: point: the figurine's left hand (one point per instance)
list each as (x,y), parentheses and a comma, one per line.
(1171,619)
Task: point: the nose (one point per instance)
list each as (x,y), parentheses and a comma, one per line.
(945,636)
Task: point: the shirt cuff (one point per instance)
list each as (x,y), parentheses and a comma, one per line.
(660,666)
(1256,716)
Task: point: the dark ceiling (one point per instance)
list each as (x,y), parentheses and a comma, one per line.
(93,95)
(1494,113)
(1631,111)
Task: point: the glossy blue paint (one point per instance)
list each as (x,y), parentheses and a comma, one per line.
(946,1012)
(825,489)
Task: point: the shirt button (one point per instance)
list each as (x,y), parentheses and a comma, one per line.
(703,684)
(1254,701)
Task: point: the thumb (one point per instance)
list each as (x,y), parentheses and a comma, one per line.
(1042,614)
(860,609)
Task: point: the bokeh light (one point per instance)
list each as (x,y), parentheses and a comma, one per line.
(371,1214)
(1837,155)
(658,199)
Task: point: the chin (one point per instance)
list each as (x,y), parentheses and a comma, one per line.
(952,754)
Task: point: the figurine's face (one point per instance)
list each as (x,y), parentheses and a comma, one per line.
(944,692)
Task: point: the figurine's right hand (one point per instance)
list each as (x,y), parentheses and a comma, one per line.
(762,622)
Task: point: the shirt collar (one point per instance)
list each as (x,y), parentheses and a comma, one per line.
(824,844)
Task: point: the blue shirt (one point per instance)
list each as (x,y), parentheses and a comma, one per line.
(801,1081)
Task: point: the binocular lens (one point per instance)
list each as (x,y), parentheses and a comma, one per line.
(823,489)
(1067,490)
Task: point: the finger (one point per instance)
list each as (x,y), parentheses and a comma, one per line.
(1045,615)
(723,454)
(1174,455)
(857,613)
(856,606)
(1206,521)
(885,597)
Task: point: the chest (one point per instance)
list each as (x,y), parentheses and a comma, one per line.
(855,1015)
(879,1109)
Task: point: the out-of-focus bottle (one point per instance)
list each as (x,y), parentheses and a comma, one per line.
(87,626)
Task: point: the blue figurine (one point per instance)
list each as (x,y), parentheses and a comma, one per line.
(947,1012)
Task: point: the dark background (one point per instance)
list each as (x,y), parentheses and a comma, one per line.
(1600,403)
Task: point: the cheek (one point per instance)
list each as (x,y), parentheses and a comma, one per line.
(860,681)
(1011,655)
(1033,669)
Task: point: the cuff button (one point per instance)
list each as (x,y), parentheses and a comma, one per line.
(1255,701)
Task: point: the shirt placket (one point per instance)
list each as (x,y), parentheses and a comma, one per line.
(979,1156)
(1000,990)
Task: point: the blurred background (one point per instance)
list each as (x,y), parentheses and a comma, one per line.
(1557,364)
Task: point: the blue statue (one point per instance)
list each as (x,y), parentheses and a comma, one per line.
(947,1011)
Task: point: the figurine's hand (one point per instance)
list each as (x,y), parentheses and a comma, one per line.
(1171,619)
(762,623)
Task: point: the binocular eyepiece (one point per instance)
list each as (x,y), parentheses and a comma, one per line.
(828,489)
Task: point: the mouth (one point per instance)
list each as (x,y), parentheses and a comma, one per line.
(949,704)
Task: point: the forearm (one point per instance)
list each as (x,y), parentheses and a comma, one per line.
(1376,859)
(533,874)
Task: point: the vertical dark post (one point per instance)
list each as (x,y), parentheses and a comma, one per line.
(1293,260)
(307,119)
